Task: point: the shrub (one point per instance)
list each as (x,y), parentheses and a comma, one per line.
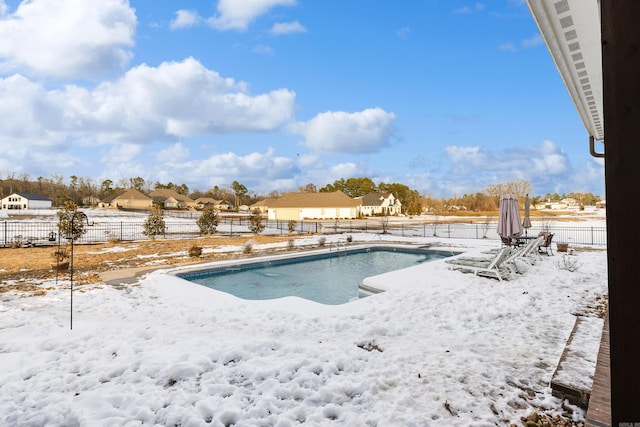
(60,255)
(154,225)
(195,251)
(247,248)
(322,241)
(349,238)
(291,244)
(291,226)
(569,262)
(256,225)
(72,223)
(208,221)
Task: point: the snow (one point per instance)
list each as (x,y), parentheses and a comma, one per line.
(439,347)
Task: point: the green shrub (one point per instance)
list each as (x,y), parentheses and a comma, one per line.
(154,225)
(208,221)
(72,223)
(256,224)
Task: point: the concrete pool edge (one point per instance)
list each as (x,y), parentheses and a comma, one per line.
(179,271)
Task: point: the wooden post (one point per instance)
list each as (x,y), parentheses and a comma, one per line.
(621,85)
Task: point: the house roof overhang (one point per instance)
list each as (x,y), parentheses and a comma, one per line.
(571,31)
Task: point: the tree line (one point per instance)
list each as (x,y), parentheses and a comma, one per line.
(85,191)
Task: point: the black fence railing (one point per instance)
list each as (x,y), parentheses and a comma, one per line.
(103,230)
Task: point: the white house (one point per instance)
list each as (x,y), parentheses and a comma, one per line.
(26,201)
(382,203)
(300,206)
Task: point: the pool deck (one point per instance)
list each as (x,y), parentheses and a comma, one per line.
(599,409)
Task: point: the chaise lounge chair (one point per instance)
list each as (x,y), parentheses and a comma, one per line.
(489,267)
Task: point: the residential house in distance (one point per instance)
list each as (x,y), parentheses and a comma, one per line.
(300,206)
(380,203)
(132,199)
(220,205)
(25,201)
(108,202)
(262,205)
(171,199)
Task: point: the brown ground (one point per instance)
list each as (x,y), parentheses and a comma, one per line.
(20,268)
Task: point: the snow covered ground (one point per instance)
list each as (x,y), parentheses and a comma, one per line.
(439,348)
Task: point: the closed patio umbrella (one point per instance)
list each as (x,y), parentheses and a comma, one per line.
(509,224)
(526,221)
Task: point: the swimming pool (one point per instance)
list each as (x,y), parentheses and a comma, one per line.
(328,278)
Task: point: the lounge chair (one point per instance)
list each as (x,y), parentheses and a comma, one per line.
(488,267)
(545,247)
(525,253)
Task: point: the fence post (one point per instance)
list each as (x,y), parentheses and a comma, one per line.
(5,233)
(402,228)
(592,235)
(121,234)
(449,230)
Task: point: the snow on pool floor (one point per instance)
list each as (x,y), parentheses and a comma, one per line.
(438,348)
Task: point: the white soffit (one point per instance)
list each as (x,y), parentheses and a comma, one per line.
(571,31)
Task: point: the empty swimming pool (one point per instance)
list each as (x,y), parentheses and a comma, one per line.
(328,278)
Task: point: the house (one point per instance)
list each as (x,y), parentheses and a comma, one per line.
(299,206)
(203,202)
(108,202)
(171,199)
(133,199)
(262,205)
(380,203)
(26,201)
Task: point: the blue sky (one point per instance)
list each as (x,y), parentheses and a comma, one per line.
(447,97)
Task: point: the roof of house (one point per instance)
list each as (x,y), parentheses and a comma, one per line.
(374,199)
(168,192)
(110,198)
(314,200)
(571,31)
(205,200)
(264,202)
(132,194)
(32,196)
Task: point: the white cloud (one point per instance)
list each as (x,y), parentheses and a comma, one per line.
(508,47)
(474,155)
(280,28)
(533,41)
(465,10)
(238,14)
(3,8)
(122,153)
(545,166)
(258,171)
(263,49)
(362,132)
(185,19)
(175,153)
(67,38)
(173,100)
(403,32)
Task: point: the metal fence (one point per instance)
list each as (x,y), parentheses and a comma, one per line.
(103,230)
